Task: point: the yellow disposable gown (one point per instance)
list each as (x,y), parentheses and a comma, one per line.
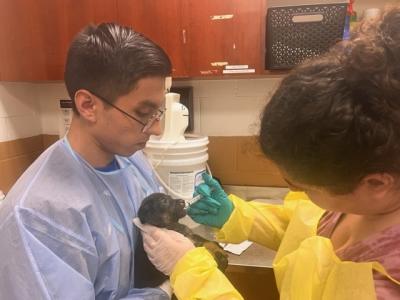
(306,267)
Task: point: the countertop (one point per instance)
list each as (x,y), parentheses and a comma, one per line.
(255,255)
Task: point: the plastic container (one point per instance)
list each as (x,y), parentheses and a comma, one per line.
(295,33)
(178,165)
(371,14)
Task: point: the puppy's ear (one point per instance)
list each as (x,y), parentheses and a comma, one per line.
(143,215)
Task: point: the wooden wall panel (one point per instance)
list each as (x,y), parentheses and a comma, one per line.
(12,168)
(253,283)
(48,140)
(235,160)
(11,149)
(15,158)
(238,160)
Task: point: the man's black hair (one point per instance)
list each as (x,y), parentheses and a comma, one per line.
(110,59)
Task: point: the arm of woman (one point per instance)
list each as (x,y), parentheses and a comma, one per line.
(193,271)
(262,223)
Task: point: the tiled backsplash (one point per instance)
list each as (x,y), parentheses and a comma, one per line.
(226,110)
(229,107)
(28,109)
(19,111)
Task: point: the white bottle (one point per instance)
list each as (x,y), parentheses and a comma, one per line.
(176,119)
(176,116)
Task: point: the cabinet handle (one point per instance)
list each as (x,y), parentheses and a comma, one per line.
(184,36)
(221,17)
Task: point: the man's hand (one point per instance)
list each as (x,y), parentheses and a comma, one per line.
(164,247)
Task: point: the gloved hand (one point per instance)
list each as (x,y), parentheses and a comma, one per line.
(214,208)
(164,247)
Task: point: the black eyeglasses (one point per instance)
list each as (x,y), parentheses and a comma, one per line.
(157,116)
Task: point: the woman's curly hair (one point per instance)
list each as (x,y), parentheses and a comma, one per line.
(336,118)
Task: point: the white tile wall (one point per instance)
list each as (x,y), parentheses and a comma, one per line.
(22,126)
(221,107)
(229,107)
(19,111)
(235,104)
(49,95)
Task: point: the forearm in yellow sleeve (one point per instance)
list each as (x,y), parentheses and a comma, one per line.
(262,223)
(196,276)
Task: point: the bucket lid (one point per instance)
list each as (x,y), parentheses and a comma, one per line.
(200,159)
(190,142)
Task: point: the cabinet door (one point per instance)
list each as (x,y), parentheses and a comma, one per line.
(159,20)
(36,34)
(223,31)
(21,56)
(61,20)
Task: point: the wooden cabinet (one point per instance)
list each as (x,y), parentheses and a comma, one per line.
(224,31)
(161,21)
(21,56)
(61,20)
(35,34)
(197,35)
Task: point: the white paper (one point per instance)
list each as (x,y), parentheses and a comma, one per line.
(237,248)
(238,71)
(235,67)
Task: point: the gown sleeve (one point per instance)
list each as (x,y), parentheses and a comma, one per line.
(42,259)
(196,275)
(262,223)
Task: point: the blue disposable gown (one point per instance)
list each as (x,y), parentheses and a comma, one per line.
(66,229)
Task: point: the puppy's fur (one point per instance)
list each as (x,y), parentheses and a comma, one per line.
(161,210)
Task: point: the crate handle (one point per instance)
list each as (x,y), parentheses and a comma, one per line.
(308,18)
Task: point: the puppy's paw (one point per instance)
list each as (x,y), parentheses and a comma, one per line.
(219,254)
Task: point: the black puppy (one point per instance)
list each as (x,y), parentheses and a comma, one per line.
(161,210)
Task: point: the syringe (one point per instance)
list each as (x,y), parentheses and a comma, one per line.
(194,199)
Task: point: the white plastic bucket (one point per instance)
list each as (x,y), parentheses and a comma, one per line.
(178,165)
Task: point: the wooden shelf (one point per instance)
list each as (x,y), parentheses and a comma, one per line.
(267,74)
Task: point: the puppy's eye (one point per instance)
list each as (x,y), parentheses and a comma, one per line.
(164,202)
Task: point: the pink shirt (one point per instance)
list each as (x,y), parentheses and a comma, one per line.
(383,247)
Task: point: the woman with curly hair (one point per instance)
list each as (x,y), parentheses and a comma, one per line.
(333,129)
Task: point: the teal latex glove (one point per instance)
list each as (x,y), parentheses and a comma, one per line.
(214,208)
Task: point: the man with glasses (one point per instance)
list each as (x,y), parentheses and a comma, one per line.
(66,229)
(146,125)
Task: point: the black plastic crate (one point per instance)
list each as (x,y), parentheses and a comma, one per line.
(295,33)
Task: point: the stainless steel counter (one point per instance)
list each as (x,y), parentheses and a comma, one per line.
(255,255)
(251,272)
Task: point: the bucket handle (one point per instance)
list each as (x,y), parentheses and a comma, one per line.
(171,191)
(190,135)
(163,183)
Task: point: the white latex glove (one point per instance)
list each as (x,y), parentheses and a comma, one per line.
(164,247)
(166,287)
